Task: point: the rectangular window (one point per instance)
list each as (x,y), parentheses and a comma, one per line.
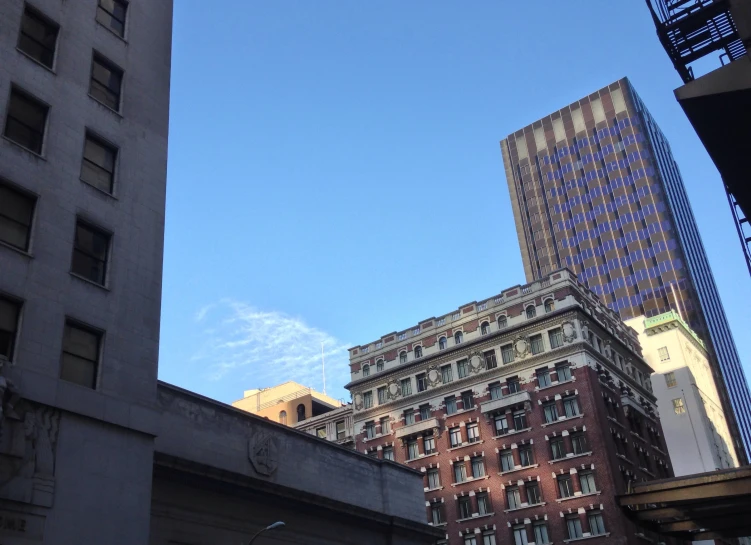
(321,433)
(556,338)
(424,412)
(670,381)
(565,487)
(557,449)
(422,382)
(370,430)
(507,353)
(587,480)
(537,345)
(388,453)
(409,417)
(574,526)
(520,420)
(478,467)
(663,353)
(10,312)
(112,13)
(596,524)
(578,444)
(406,387)
(26,121)
(462,369)
(470,540)
(434,479)
(541,533)
(38,37)
(571,406)
(495,390)
(563,370)
(80,361)
(468,400)
(507,460)
(465,507)
(533,492)
(678,406)
(412,450)
(543,378)
(16,214)
(106,82)
(98,165)
(367,400)
(382,395)
(514,498)
(550,410)
(501,424)
(450,405)
(341,432)
(520,535)
(90,253)
(436,517)
(490,361)
(526,457)
(446,374)
(473,433)
(429,443)
(460,473)
(488,538)
(455,437)
(483,503)
(513,385)
(385,425)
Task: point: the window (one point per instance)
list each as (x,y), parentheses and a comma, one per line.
(678,406)
(424,412)
(385,425)
(495,390)
(90,253)
(490,361)
(283,417)
(434,479)
(526,457)
(455,437)
(442,343)
(557,448)
(402,336)
(446,374)
(379,344)
(587,480)
(402,357)
(81,347)
(501,424)
(341,433)
(111,14)
(520,420)
(578,443)
(409,417)
(565,487)
(462,368)
(556,338)
(513,498)
(520,534)
(470,540)
(406,387)
(596,524)
(460,473)
(10,312)
(574,526)
(367,400)
(422,382)
(483,503)
(435,515)
(502,322)
(370,430)
(531,312)
(533,492)
(416,331)
(488,538)
(563,371)
(663,353)
(418,352)
(484,328)
(38,37)
(366,370)
(379,366)
(549,305)
(507,460)
(458,337)
(382,395)
(465,507)
(16,213)
(98,165)
(571,406)
(507,353)
(301,410)
(478,467)
(537,346)
(321,433)
(26,121)
(473,433)
(106,82)
(412,449)
(670,381)
(543,378)
(429,444)
(468,400)
(541,533)
(450,405)
(513,385)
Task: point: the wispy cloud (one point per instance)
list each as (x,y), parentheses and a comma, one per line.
(256,348)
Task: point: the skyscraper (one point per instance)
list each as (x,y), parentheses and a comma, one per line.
(594,187)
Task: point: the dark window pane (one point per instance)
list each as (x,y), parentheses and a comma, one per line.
(98,164)
(16,211)
(38,37)
(106,81)
(90,253)
(9,311)
(111,13)
(80,355)
(26,120)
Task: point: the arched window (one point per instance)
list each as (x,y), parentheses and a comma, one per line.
(366,370)
(379,366)
(418,351)
(402,357)
(458,337)
(300,412)
(531,313)
(502,323)
(485,328)
(442,343)
(549,305)
(283,417)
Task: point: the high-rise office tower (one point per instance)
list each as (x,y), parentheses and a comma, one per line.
(594,187)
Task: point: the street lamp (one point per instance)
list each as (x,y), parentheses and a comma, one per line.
(274,526)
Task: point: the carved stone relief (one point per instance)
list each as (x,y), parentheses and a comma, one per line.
(569,332)
(476,361)
(521,347)
(393,390)
(263,452)
(434,376)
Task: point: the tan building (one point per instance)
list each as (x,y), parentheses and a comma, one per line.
(695,427)
(288,403)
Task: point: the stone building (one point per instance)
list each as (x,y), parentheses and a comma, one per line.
(336,426)
(527,413)
(288,403)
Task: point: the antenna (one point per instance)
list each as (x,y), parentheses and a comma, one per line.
(323,370)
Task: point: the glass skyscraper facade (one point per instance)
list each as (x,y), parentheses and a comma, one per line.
(594,188)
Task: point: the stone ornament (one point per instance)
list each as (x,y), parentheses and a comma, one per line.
(433,375)
(476,361)
(393,390)
(521,347)
(358,402)
(263,452)
(569,332)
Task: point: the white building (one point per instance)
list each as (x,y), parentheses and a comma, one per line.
(692,418)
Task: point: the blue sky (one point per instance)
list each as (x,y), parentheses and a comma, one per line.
(335,171)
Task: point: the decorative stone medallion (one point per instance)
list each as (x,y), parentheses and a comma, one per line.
(521,347)
(476,361)
(433,375)
(263,452)
(358,402)
(569,331)
(393,390)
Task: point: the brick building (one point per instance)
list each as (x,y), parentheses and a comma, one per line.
(527,413)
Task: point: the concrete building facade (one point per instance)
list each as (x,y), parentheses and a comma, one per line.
(288,403)
(594,187)
(336,426)
(526,413)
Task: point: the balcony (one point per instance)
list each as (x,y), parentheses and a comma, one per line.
(505,401)
(417,427)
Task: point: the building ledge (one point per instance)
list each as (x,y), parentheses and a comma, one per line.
(614,421)
(476,516)
(505,401)
(427,490)
(606,534)
(622,457)
(520,468)
(648,472)
(439,525)
(658,449)
(560,500)
(471,480)
(462,411)
(511,432)
(569,457)
(563,419)
(639,437)
(528,506)
(464,445)
(417,427)
(554,384)
(421,457)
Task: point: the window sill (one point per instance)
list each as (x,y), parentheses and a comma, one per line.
(84,279)
(512,432)
(471,480)
(569,457)
(465,445)
(16,249)
(614,421)
(560,500)
(563,419)
(658,449)
(102,104)
(421,457)
(606,534)
(115,34)
(95,188)
(622,457)
(639,437)
(440,525)
(520,468)
(376,436)
(529,506)
(648,472)
(27,150)
(460,412)
(36,61)
(554,384)
(426,490)
(476,516)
